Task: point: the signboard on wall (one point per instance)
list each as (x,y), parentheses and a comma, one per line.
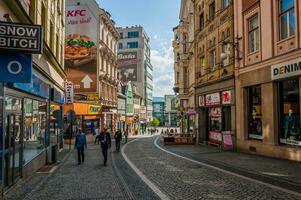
(128,66)
(226,97)
(201,101)
(213,99)
(80,48)
(69,92)
(286,69)
(22,38)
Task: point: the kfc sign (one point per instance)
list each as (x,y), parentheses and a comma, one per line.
(75,13)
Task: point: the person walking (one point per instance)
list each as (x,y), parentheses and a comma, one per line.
(105,143)
(97,133)
(118,138)
(80,145)
(126,133)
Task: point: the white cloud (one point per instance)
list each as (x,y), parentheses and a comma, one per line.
(156,37)
(162,61)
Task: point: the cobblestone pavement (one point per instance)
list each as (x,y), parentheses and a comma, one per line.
(278,172)
(182,179)
(88,181)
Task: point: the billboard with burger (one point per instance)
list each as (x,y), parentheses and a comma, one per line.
(80,47)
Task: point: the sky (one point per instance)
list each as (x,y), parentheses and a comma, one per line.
(158,17)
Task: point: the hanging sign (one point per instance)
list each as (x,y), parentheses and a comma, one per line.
(69,98)
(23,38)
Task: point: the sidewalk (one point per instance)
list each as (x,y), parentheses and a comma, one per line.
(283,173)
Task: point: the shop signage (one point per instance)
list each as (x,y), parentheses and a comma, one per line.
(80,48)
(15,68)
(122,118)
(227,140)
(290,142)
(215,137)
(22,38)
(286,69)
(191,111)
(201,101)
(69,92)
(226,97)
(94,110)
(213,99)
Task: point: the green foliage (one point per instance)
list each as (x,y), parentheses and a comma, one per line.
(155,122)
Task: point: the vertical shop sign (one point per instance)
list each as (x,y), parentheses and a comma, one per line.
(69,92)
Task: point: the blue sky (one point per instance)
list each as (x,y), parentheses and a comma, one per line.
(158,17)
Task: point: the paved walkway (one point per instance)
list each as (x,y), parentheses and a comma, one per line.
(182,179)
(283,173)
(88,181)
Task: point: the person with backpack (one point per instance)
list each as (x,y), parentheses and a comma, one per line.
(118,138)
(105,143)
(80,144)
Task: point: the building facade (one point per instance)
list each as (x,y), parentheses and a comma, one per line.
(158,109)
(214,65)
(184,65)
(134,63)
(31,113)
(170,110)
(92,68)
(268,77)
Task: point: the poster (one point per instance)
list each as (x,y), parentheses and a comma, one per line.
(226,97)
(227,139)
(215,137)
(213,99)
(127,66)
(80,48)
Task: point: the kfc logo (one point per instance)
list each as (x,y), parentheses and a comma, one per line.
(75,13)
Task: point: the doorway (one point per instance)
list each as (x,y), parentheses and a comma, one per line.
(12,140)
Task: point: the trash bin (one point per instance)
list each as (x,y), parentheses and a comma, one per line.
(54,152)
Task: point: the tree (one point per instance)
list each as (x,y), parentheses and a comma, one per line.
(155,121)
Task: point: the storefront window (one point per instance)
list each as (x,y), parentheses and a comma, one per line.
(34,128)
(290,112)
(254,112)
(215,119)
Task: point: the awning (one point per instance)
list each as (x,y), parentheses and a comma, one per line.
(83,109)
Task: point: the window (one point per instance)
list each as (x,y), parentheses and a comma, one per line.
(202,23)
(225,3)
(121,35)
(34,128)
(212,11)
(132,45)
(287,24)
(134,34)
(212,60)
(226,50)
(254,112)
(253,34)
(290,112)
(202,66)
(120,46)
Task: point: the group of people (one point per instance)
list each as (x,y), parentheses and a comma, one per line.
(101,137)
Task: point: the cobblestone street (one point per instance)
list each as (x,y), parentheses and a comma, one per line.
(173,176)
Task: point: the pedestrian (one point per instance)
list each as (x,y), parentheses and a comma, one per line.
(80,144)
(118,138)
(96,132)
(126,133)
(105,143)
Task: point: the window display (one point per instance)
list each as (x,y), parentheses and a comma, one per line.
(56,124)
(254,112)
(34,128)
(290,112)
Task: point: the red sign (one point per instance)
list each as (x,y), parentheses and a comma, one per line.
(215,137)
(226,97)
(213,99)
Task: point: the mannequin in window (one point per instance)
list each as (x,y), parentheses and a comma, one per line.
(291,125)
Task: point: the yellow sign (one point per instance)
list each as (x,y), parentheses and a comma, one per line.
(94,110)
(92,97)
(122,118)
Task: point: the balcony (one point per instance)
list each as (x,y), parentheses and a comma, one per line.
(219,73)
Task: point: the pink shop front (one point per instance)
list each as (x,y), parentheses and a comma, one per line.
(216,115)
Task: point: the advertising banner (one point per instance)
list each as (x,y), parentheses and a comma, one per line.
(226,97)
(213,99)
(227,139)
(127,66)
(129,100)
(201,101)
(215,137)
(80,48)
(69,92)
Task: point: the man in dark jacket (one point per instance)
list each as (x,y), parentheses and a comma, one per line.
(80,144)
(105,143)
(118,138)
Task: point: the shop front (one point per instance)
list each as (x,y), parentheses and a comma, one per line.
(272,118)
(86,117)
(216,118)
(26,126)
